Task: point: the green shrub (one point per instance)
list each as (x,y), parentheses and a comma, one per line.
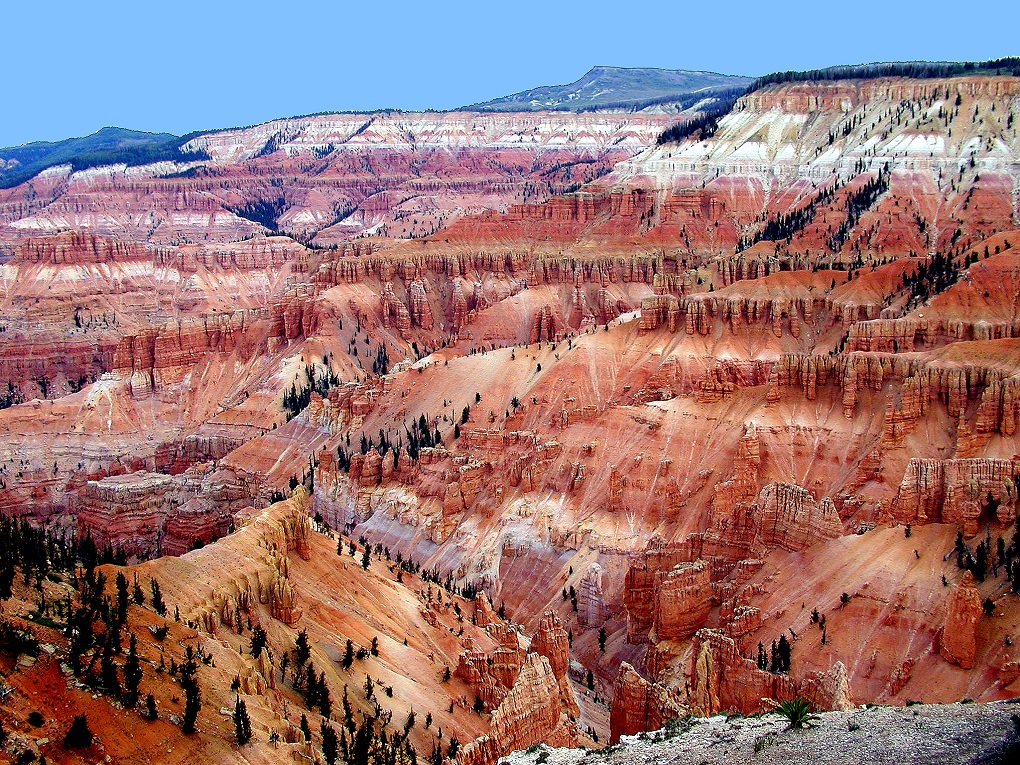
(797,711)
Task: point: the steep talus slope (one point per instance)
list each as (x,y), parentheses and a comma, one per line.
(743,391)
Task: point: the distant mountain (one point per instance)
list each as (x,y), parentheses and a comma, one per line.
(108,146)
(611,87)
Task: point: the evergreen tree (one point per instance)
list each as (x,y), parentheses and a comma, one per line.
(137,594)
(784,650)
(7,579)
(302,651)
(192,698)
(329,744)
(122,597)
(325,702)
(132,673)
(242,724)
(108,671)
(79,735)
(157,598)
(258,641)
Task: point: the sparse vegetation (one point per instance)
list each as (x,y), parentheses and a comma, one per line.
(797,711)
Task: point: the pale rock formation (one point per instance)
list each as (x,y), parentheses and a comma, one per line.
(592,610)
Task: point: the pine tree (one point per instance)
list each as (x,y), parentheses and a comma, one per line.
(784,651)
(6,579)
(108,671)
(122,597)
(138,594)
(329,744)
(192,699)
(325,702)
(132,673)
(306,730)
(79,735)
(258,642)
(602,639)
(302,651)
(157,598)
(242,724)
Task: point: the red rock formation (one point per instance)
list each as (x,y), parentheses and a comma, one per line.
(484,615)
(682,601)
(958,642)
(552,642)
(956,491)
(128,512)
(639,705)
(418,305)
(645,572)
(721,680)
(394,312)
(787,516)
(544,326)
(531,712)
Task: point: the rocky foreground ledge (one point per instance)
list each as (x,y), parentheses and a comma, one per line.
(957,734)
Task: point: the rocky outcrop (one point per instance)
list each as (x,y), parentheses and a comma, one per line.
(787,516)
(552,642)
(128,512)
(639,705)
(532,712)
(223,584)
(459,307)
(721,680)
(683,599)
(544,325)
(959,636)
(80,247)
(484,615)
(394,312)
(646,571)
(960,491)
(144,515)
(492,674)
(418,305)
(592,610)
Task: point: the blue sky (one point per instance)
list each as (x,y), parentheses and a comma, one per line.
(70,68)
